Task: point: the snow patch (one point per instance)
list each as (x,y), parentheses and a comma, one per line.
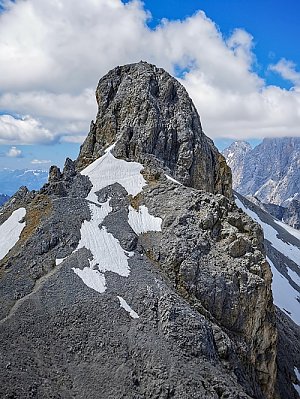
(297,386)
(294,276)
(142,222)
(107,253)
(128,309)
(11,230)
(289,229)
(173,180)
(92,278)
(284,295)
(108,170)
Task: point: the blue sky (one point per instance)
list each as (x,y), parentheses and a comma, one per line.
(239,61)
(273,24)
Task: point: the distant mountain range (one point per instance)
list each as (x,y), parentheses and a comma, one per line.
(3,198)
(270,174)
(12,180)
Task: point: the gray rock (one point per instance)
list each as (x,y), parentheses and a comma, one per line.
(291,214)
(151,118)
(201,286)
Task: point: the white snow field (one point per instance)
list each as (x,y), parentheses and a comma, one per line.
(142,222)
(108,170)
(289,229)
(92,278)
(128,309)
(108,255)
(11,230)
(284,295)
(173,180)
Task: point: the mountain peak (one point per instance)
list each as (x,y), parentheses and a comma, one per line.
(235,155)
(127,282)
(149,116)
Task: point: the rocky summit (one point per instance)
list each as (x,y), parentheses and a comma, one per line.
(152,120)
(132,273)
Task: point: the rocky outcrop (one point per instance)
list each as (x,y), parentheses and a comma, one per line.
(150,117)
(205,330)
(291,214)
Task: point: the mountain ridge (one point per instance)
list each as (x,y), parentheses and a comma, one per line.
(133,275)
(270,174)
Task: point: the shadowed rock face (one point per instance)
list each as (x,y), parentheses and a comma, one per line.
(153,119)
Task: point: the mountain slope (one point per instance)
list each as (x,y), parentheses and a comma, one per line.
(269,173)
(131,275)
(282,245)
(152,120)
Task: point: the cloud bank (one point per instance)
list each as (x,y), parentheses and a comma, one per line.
(53,53)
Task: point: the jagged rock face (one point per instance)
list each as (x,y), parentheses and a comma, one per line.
(235,155)
(291,214)
(151,117)
(270,171)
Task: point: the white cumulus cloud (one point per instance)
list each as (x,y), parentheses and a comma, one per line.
(14,152)
(23,131)
(53,53)
(287,69)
